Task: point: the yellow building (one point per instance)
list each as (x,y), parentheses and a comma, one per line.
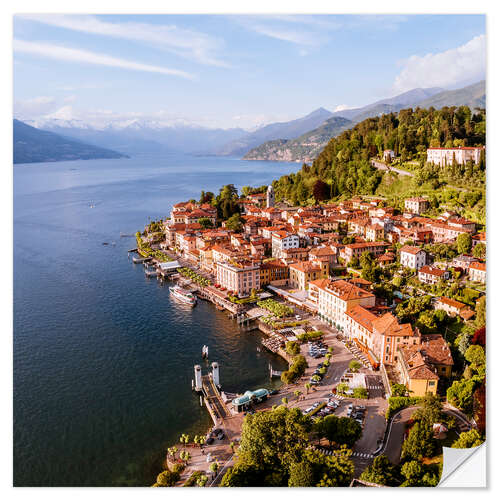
(301,273)
(421,366)
(273,271)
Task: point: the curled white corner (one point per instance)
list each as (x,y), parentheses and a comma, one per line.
(464,468)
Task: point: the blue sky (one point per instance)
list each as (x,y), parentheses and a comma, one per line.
(233,70)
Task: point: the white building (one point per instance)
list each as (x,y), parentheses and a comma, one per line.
(417,205)
(445,156)
(412,257)
(334,298)
(282,240)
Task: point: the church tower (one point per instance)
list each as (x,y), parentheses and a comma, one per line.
(270,196)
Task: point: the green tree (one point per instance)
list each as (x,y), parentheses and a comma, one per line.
(399,389)
(172,451)
(420,442)
(184,439)
(274,439)
(292,348)
(301,474)
(297,394)
(382,471)
(284,401)
(307,387)
(342,387)
(205,223)
(460,394)
(234,223)
(469,439)
(202,481)
(481,312)
(464,243)
(355,365)
(167,478)
(475,356)
(412,472)
(479,251)
(243,474)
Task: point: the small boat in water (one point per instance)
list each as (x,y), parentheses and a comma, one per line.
(204,351)
(183,295)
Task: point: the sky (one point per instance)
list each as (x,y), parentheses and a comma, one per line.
(233,70)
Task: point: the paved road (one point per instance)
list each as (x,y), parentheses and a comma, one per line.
(382,166)
(396,433)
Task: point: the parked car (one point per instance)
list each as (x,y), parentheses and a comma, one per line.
(210,440)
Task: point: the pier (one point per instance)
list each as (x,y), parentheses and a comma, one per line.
(209,387)
(141,260)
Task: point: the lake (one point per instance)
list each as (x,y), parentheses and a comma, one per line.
(103,358)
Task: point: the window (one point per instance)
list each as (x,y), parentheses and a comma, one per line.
(431,383)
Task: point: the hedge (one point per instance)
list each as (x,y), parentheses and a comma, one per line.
(398,403)
(304,337)
(360,393)
(318,408)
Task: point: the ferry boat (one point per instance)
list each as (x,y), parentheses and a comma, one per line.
(183,295)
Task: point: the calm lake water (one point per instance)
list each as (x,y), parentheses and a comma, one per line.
(103,359)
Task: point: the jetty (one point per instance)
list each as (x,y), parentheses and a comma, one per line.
(141,260)
(209,387)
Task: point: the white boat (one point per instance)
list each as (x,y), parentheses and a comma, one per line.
(204,351)
(183,295)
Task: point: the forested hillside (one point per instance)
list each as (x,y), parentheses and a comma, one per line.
(343,167)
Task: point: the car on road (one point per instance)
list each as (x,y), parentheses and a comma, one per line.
(210,440)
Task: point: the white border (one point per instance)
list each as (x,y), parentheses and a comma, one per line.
(256,6)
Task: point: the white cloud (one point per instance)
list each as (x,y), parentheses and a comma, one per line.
(288,35)
(183,42)
(34,107)
(316,30)
(83,56)
(464,64)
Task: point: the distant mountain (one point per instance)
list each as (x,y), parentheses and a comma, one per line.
(304,148)
(139,136)
(473,96)
(280,130)
(390,105)
(32,145)
(307,147)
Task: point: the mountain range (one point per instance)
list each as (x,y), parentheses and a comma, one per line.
(301,139)
(306,147)
(139,136)
(32,145)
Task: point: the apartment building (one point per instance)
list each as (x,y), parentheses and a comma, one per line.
(238,277)
(412,257)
